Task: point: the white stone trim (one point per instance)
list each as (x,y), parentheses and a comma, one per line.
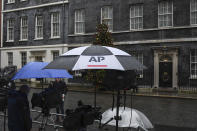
(36,6)
(140,30)
(2,8)
(43,46)
(155,41)
(85,34)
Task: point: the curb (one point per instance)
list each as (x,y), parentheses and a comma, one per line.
(141,95)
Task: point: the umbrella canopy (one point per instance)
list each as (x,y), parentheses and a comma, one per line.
(95,57)
(132,119)
(35,70)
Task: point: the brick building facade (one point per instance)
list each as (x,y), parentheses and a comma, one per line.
(160,33)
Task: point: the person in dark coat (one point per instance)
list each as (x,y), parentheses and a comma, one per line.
(19,118)
(61,87)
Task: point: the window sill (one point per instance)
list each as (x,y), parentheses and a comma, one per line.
(84,34)
(166,27)
(55,38)
(141,29)
(23,40)
(10,41)
(38,39)
(79,33)
(192,77)
(10,3)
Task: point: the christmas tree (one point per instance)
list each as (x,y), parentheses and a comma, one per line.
(103,37)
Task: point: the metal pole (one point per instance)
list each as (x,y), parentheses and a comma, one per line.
(95,85)
(4,119)
(42,84)
(117,108)
(95,96)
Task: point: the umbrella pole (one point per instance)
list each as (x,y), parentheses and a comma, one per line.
(95,96)
(42,84)
(4,119)
(117,118)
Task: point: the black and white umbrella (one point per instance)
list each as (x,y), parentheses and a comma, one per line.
(95,57)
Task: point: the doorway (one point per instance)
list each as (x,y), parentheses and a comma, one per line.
(165,74)
(165,71)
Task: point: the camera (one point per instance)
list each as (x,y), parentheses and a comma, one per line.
(119,79)
(6,75)
(81,117)
(47,99)
(3,99)
(6,84)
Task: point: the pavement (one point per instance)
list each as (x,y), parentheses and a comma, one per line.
(154,108)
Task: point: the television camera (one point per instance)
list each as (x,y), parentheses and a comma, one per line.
(47,99)
(82,116)
(6,84)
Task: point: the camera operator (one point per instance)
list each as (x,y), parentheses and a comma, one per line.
(18,110)
(61,87)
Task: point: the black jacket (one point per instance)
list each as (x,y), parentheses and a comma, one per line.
(19,118)
(60,86)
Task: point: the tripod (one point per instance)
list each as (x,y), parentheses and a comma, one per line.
(46,116)
(4,118)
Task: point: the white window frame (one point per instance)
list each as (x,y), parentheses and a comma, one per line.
(193,3)
(10,30)
(52,25)
(10,58)
(23,0)
(193,76)
(164,14)
(108,18)
(136,18)
(55,54)
(39,28)
(138,56)
(80,21)
(23,58)
(24,29)
(11,1)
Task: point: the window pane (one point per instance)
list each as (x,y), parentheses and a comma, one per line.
(24,28)
(55,54)
(10,30)
(10,59)
(193,13)
(39,27)
(132,12)
(107,16)
(79,21)
(165,14)
(55,23)
(136,21)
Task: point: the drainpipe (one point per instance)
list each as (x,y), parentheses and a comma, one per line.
(63,24)
(2,9)
(63,21)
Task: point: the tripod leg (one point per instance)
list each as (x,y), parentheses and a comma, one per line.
(4,119)
(53,122)
(43,123)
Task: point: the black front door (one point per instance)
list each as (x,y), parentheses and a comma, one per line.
(165,74)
